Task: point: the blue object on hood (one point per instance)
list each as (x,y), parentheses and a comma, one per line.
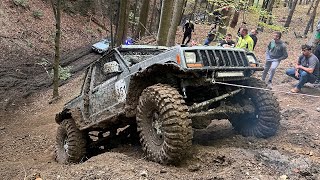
(129,41)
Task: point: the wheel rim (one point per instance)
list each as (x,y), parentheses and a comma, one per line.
(156,126)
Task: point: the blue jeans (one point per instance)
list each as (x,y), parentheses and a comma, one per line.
(303,78)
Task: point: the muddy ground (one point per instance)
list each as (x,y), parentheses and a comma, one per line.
(28,129)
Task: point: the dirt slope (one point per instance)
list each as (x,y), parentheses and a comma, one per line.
(27,130)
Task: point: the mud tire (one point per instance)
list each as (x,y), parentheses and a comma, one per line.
(162,106)
(75,150)
(264,122)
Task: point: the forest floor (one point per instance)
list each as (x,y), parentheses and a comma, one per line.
(28,129)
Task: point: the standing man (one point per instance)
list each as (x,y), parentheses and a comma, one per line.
(306,69)
(245,41)
(276,51)
(253,35)
(188,28)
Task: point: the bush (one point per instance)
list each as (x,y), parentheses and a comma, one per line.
(37,14)
(21,3)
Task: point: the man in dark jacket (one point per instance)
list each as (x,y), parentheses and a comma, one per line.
(253,35)
(276,51)
(188,28)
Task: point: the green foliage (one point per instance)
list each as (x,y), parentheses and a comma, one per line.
(21,3)
(273,27)
(64,72)
(38,14)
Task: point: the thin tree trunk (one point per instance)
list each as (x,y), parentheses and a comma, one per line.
(166,14)
(143,17)
(154,7)
(178,6)
(294,4)
(269,10)
(312,17)
(194,10)
(134,16)
(225,21)
(111,17)
(235,19)
(310,7)
(122,23)
(57,15)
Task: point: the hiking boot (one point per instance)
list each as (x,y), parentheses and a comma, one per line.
(295,90)
(269,85)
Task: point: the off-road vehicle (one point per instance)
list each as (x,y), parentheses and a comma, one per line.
(163,93)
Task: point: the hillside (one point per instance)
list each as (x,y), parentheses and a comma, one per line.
(28,129)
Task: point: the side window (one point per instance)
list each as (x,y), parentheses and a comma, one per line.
(100,75)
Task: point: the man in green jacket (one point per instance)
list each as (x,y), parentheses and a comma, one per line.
(245,41)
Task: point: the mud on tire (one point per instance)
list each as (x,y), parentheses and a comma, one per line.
(163,124)
(265,121)
(70,143)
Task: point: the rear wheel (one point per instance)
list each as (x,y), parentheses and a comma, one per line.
(70,143)
(163,124)
(264,122)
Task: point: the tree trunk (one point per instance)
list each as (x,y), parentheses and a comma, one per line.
(158,16)
(235,19)
(269,10)
(143,17)
(312,17)
(194,10)
(153,14)
(182,12)
(123,22)
(111,17)
(57,14)
(294,4)
(226,16)
(166,15)
(310,7)
(134,16)
(177,10)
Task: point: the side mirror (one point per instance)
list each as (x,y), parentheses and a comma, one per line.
(111,67)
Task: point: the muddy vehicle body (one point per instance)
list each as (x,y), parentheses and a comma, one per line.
(163,93)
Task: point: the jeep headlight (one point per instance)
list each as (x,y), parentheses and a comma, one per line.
(191,60)
(190,57)
(252,61)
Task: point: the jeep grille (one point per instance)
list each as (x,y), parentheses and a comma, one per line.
(221,57)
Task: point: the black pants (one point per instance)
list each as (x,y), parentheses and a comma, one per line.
(185,35)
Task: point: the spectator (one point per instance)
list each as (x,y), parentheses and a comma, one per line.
(317,54)
(210,37)
(243,25)
(253,35)
(276,51)
(245,41)
(306,69)
(227,42)
(188,28)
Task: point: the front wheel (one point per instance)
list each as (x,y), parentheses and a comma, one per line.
(264,122)
(70,143)
(163,124)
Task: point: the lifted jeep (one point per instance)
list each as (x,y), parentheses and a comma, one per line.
(163,93)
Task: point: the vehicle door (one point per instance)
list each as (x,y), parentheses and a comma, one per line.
(108,91)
